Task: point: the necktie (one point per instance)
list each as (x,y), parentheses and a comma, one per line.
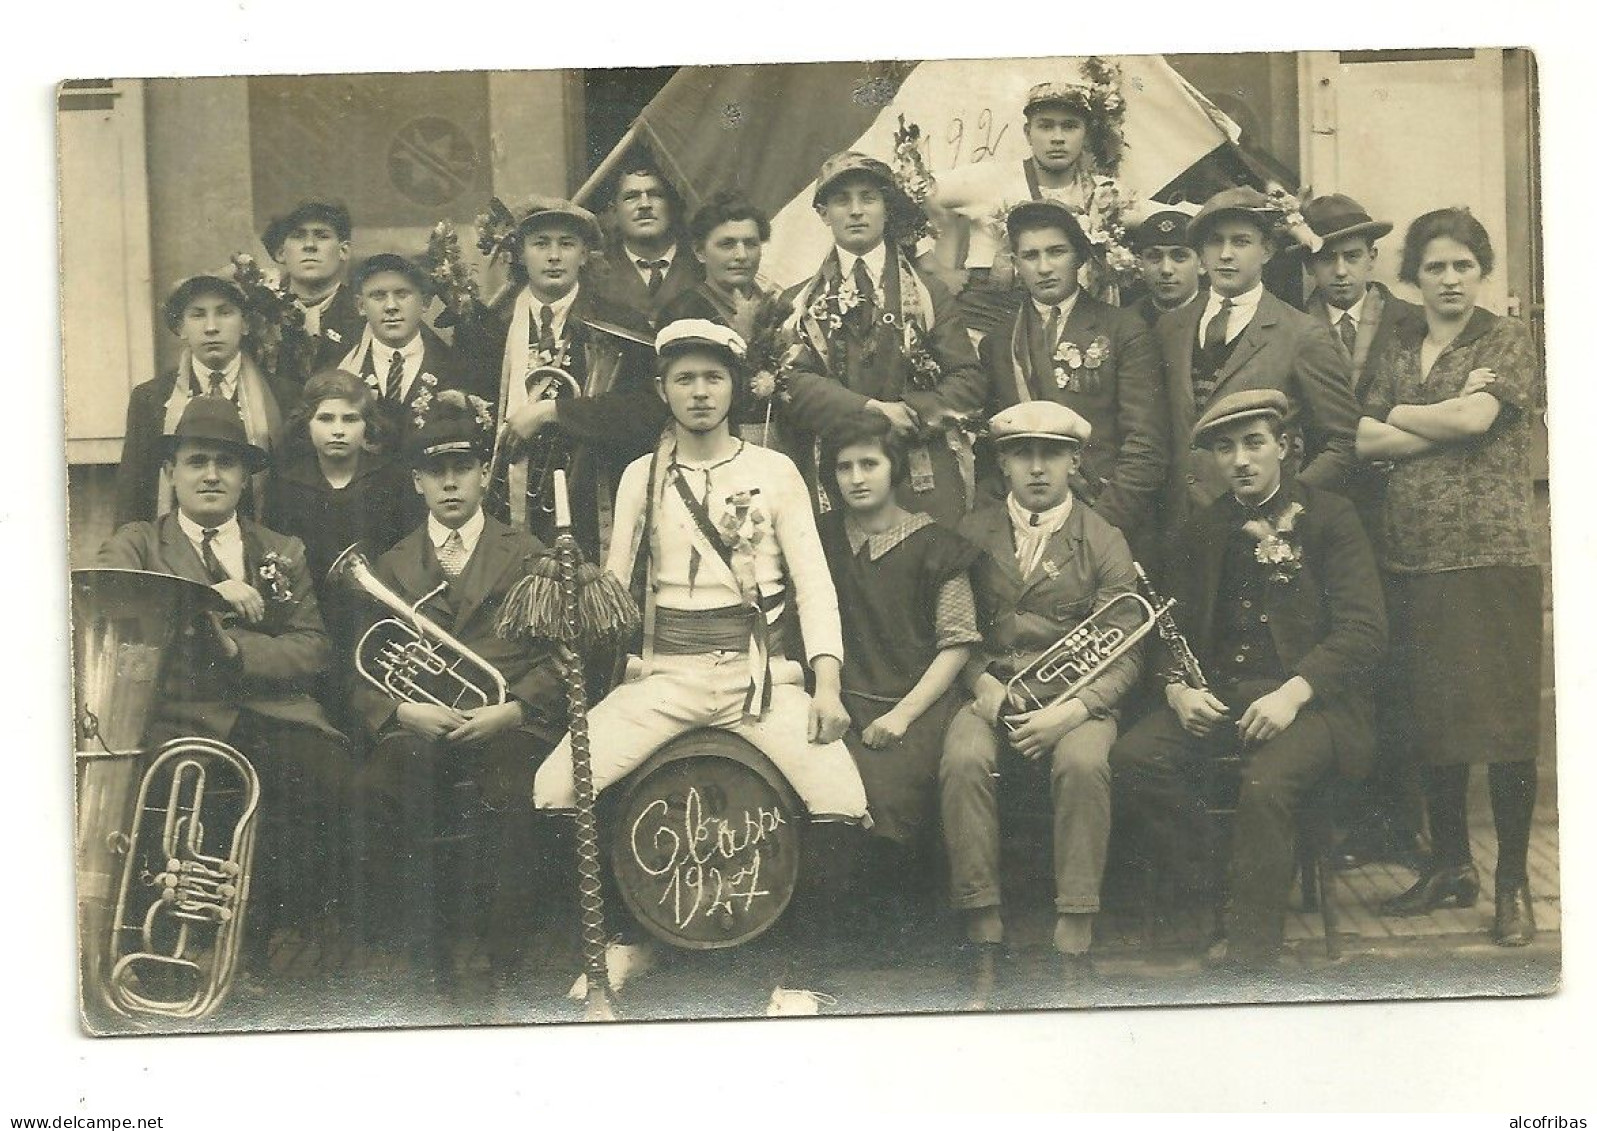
(1348,332)
(1051,334)
(452,555)
(213,564)
(867,293)
(217,378)
(656,269)
(396,375)
(546,332)
(1214,335)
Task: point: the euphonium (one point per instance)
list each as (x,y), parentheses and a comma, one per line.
(408,656)
(178,925)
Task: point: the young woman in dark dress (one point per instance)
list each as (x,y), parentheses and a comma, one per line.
(909,621)
(336,487)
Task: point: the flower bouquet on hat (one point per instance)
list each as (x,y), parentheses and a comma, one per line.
(270,312)
(452,277)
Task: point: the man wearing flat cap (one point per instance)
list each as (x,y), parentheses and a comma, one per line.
(879,334)
(572,388)
(1242,338)
(311,245)
(1096,359)
(1169,266)
(209,314)
(1050,562)
(1063,121)
(1363,316)
(402,359)
(459,781)
(247,682)
(1278,598)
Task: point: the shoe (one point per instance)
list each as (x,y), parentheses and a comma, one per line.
(797,1003)
(981,977)
(623,962)
(1077,970)
(1515,923)
(1376,844)
(1456,885)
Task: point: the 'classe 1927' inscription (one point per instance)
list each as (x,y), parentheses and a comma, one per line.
(707,865)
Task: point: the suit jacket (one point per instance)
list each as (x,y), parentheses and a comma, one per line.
(303,356)
(606,431)
(468,610)
(617,280)
(438,360)
(820,397)
(140,469)
(1126,460)
(1328,623)
(1086,564)
(279,659)
(1281,348)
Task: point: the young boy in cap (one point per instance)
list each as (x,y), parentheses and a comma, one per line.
(246,683)
(1277,594)
(400,357)
(460,781)
(647,263)
(595,424)
(719,539)
(1050,563)
(1243,338)
(1169,266)
(969,202)
(1097,360)
(1363,316)
(879,334)
(208,315)
(311,245)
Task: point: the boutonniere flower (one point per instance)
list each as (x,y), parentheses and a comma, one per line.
(273,575)
(1275,546)
(742,524)
(1050,569)
(1076,368)
(332,335)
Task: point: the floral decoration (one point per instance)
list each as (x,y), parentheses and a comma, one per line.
(273,573)
(270,312)
(1077,369)
(452,277)
(1275,546)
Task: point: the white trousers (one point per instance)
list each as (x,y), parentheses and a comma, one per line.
(683,693)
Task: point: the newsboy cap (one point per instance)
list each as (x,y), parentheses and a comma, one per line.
(1039,420)
(389,261)
(1240,406)
(1035,213)
(538,211)
(215,420)
(330,212)
(205,283)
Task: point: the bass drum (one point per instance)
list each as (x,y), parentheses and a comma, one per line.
(706,844)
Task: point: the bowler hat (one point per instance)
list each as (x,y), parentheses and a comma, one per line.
(1244,201)
(1054,214)
(215,420)
(1240,406)
(331,213)
(1334,216)
(388,261)
(1039,420)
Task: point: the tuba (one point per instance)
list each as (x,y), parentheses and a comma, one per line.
(407,656)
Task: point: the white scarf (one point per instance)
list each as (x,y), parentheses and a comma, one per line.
(1031,538)
(263,421)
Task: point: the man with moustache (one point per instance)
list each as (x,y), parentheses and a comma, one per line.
(593,425)
(646,263)
(1276,593)
(1169,266)
(311,245)
(1242,338)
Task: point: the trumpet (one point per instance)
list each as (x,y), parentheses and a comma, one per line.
(1066,667)
(178,924)
(547,450)
(408,656)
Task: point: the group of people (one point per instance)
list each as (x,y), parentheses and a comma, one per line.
(854,515)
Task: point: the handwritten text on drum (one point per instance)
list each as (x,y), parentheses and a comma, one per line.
(711,864)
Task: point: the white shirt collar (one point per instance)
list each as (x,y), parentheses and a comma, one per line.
(1050,520)
(560,306)
(470,531)
(1356,310)
(1262,503)
(230,373)
(669,255)
(228,545)
(195,533)
(1064,308)
(411,351)
(875,263)
(1243,304)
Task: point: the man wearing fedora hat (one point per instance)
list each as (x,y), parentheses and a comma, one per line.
(647,262)
(208,313)
(311,245)
(1049,563)
(401,358)
(1363,316)
(1243,338)
(879,334)
(459,782)
(593,425)
(1168,264)
(1096,359)
(1276,591)
(246,682)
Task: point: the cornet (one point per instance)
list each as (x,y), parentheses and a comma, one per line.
(409,657)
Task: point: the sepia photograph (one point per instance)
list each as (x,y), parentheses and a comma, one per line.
(810,538)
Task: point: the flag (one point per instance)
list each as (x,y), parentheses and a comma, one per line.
(764,130)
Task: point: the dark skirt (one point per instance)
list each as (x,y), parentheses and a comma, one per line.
(901,780)
(1472,642)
